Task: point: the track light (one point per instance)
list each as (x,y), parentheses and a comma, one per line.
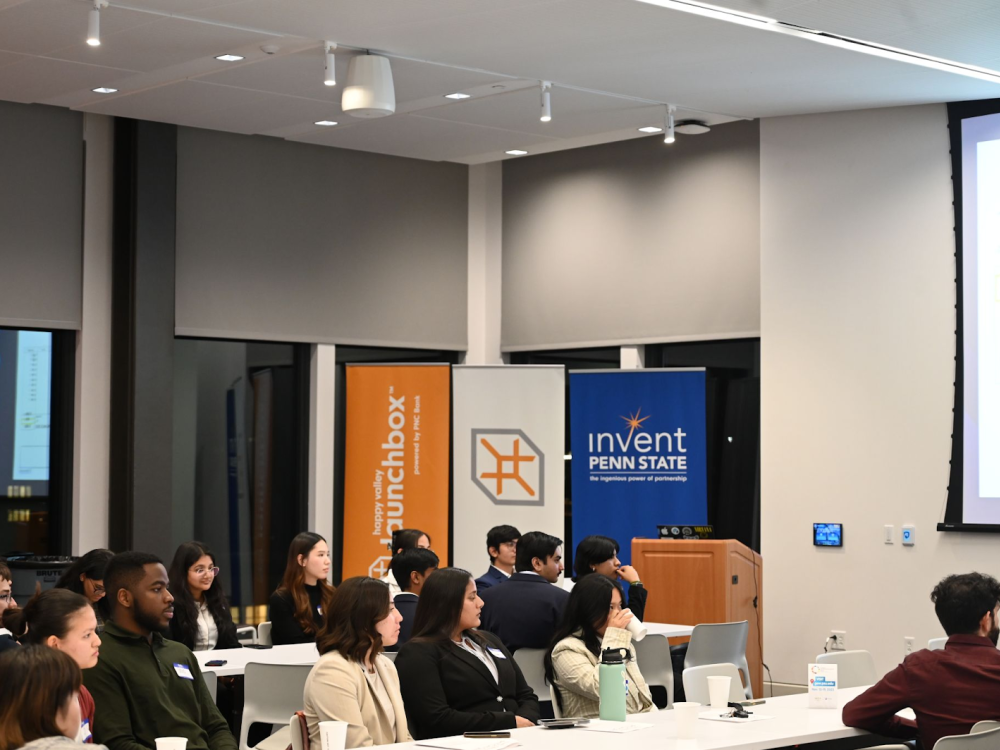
(546,101)
(331,70)
(668,136)
(94,23)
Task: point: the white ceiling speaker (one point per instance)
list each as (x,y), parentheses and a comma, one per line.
(691,127)
(369,91)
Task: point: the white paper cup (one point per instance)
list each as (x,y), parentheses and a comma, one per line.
(686,715)
(171,743)
(718,691)
(332,735)
(637,629)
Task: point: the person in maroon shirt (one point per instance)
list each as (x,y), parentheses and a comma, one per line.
(951,689)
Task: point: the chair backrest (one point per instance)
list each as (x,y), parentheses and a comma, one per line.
(298,731)
(246,634)
(556,711)
(211,682)
(264,634)
(989,740)
(985,726)
(532,664)
(936,644)
(390,655)
(854,668)
(653,656)
(271,693)
(721,643)
(696,682)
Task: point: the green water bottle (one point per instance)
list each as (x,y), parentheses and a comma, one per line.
(613,684)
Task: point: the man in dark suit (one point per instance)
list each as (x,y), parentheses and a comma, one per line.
(410,568)
(501,546)
(949,689)
(525,611)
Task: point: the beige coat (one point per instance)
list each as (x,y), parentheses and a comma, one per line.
(577,676)
(337,690)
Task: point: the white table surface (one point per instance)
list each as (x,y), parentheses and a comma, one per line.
(306,653)
(793,724)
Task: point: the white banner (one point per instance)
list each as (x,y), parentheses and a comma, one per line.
(509,443)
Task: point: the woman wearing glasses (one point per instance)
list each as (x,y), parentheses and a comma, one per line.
(201,613)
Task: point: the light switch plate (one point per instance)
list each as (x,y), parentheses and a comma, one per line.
(890,531)
(909,535)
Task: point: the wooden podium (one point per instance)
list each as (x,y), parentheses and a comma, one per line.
(704,580)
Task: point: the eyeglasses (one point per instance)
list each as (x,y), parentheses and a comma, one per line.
(202,571)
(99,589)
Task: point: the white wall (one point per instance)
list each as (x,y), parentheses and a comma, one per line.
(858,345)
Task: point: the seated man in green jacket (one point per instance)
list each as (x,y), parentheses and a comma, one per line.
(145,686)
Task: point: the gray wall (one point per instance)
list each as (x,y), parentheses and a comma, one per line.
(41,216)
(633,242)
(283,241)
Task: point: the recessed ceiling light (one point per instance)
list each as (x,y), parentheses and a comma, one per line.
(229,58)
(325,123)
(516,152)
(457,96)
(104,90)
(651,129)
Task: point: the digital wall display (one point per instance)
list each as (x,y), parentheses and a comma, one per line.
(828,535)
(25,412)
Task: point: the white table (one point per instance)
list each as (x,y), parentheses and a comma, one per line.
(238,658)
(793,724)
(306,653)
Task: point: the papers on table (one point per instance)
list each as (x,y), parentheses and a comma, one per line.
(721,714)
(614,727)
(468,743)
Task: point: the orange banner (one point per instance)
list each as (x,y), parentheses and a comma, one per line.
(397,461)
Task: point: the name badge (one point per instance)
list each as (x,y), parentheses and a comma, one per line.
(496,652)
(84,734)
(183,671)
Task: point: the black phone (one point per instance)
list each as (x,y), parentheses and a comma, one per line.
(255,645)
(215,663)
(488,735)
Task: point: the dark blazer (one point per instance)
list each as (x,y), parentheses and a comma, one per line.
(448,691)
(284,627)
(525,612)
(7,642)
(406,603)
(491,577)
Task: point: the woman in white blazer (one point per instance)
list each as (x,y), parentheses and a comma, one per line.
(593,621)
(353,681)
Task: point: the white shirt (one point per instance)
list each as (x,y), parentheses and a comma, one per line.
(506,574)
(393,586)
(208,632)
(480,653)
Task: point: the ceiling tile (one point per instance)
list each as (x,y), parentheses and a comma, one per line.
(41,26)
(38,79)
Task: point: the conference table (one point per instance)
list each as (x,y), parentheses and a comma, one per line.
(305,653)
(792,723)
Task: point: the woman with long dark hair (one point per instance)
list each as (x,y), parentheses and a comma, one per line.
(299,606)
(455,678)
(65,621)
(402,540)
(599,554)
(593,621)
(352,681)
(39,700)
(201,613)
(86,577)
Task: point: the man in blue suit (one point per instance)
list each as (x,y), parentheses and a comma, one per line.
(501,546)
(410,568)
(525,611)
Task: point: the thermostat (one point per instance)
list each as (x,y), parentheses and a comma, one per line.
(909,536)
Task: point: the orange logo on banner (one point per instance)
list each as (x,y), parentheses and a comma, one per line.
(397,455)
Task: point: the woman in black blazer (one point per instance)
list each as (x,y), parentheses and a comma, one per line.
(454,678)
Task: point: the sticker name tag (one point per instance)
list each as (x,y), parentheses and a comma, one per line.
(496,652)
(183,670)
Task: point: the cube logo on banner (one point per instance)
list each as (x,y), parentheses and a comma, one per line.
(508,467)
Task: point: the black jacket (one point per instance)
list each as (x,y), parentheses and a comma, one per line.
(524,612)
(406,604)
(448,691)
(284,627)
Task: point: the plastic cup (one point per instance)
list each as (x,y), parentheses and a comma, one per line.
(718,691)
(332,735)
(171,743)
(686,714)
(637,629)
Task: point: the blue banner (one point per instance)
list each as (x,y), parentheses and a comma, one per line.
(638,453)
